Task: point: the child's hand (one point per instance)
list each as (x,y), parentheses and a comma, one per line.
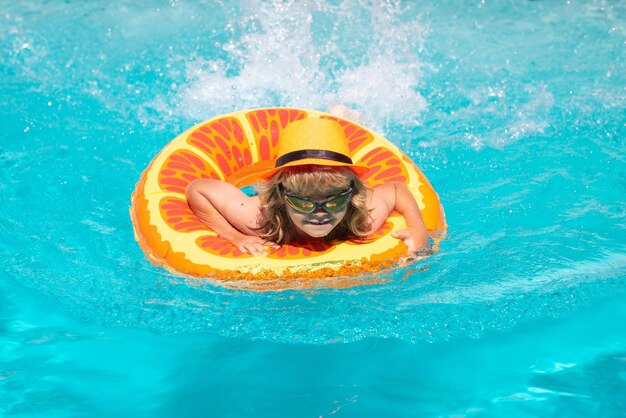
(413,238)
(342,111)
(253,245)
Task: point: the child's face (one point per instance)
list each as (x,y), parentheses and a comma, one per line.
(320,222)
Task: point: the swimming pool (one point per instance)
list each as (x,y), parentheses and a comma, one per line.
(515,112)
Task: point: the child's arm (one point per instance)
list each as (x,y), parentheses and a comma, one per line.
(397,196)
(227,211)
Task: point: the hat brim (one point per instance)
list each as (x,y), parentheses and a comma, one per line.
(359,170)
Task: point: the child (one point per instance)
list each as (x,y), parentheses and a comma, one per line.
(314,193)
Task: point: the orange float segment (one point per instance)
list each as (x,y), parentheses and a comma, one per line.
(237,148)
(220,246)
(385,167)
(267,126)
(178,215)
(223,142)
(302,250)
(181,168)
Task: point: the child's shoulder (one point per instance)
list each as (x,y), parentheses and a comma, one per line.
(380,203)
(382,193)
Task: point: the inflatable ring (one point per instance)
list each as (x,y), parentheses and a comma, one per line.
(237,148)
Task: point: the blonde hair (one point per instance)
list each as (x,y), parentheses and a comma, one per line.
(275,224)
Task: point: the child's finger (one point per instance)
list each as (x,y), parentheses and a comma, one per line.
(257,249)
(402,234)
(261,249)
(248,249)
(405,236)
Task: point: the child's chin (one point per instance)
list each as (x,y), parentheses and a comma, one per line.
(318,231)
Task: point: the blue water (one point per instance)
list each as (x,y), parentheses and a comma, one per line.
(515,111)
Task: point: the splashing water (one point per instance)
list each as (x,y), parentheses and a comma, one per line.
(295,54)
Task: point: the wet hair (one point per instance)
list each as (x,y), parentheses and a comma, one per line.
(275,224)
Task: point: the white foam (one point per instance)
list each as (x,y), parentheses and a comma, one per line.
(610,266)
(312,55)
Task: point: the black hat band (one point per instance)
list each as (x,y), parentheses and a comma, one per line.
(319,154)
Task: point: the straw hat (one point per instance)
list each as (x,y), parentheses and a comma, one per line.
(313,142)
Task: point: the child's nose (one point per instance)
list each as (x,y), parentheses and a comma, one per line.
(319,210)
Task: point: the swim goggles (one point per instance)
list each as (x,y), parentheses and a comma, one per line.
(331,204)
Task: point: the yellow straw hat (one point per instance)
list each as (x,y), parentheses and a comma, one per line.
(313,142)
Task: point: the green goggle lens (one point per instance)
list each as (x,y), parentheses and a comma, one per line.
(307,205)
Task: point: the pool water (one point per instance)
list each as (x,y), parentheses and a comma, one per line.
(515,112)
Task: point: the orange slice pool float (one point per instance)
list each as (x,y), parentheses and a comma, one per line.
(238,148)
